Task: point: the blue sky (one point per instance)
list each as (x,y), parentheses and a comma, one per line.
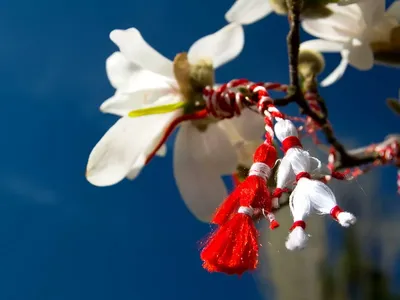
(63,239)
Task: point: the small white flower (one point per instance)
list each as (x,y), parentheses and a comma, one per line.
(250,11)
(350,30)
(143,78)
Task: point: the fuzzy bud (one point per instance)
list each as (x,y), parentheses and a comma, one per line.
(310,62)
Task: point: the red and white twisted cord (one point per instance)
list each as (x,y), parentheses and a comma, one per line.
(228,101)
(312,100)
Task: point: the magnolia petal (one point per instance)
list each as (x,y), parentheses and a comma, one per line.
(321,46)
(122,103)
(248,11)
(248,126)
(138,51)
(200,186)
(135,170)
(341,26)
(221,46)
(119,69)
(137,167)
(322,31)
(337,73)
(215,147)
(125,146)
(245,151)
(162,152)
(394,10)
(361,57)
(372,11)
(147,80)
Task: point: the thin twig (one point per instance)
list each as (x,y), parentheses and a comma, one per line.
(295,93)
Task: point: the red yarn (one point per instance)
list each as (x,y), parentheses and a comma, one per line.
(290,142)
(277,193)
(300,223)
(224,212)
(227,208)
(233,247)
(339,175)
(335,212)
(303,175)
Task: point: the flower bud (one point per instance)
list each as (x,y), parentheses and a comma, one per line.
(310,63)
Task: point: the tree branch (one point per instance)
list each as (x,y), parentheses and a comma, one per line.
(293,42)
(295,93)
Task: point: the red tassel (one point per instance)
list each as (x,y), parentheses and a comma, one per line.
(233,247)
(264,154)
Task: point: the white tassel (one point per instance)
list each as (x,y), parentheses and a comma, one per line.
(308,194)
(300,207)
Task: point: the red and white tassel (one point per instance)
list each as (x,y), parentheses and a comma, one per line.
(308,194)
(233,247)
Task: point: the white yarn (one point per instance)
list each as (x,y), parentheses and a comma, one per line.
(270,216)
(285,176)
(246,210)
(308,194)
(346,219)
(300,207)
(297,239)
(284,129)
(260,169)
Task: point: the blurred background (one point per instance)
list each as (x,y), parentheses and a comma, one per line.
(63,239)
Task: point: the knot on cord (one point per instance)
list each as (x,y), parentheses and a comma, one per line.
(295,224)
(246,210)
(261,170)
(291,142)
(303,175)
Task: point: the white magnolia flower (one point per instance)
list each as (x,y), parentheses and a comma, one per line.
(251,11)
(350,30)
(144,79)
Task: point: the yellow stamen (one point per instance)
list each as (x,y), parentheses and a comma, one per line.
(162,109)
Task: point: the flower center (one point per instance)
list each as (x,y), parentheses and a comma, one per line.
(192,79)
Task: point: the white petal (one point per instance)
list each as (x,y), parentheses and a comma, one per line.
(215,148)
(361,57)
(138,51)
(119,69)
(248,11)
(372,11)
(381,31)
(248,126)
(125,146)
(336,74)
(122,103)
(321,46)
(394,10)
(200,186)
(146,80)
(322,31)
(137,166)
(341,26)
(221,46)
(162,152)
(245,151)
